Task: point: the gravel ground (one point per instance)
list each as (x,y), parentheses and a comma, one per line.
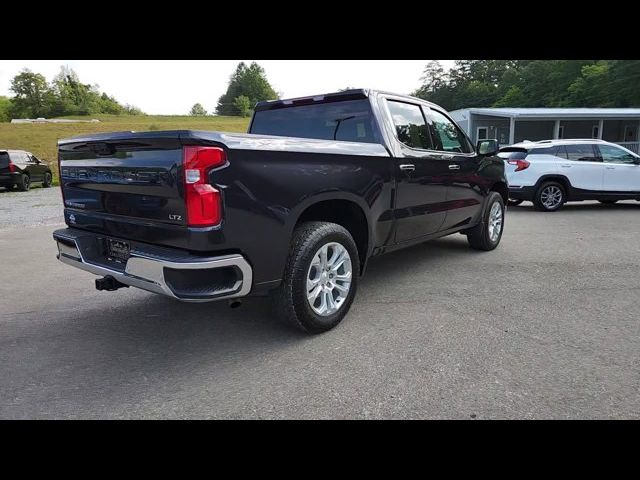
(38,206)
(546,326)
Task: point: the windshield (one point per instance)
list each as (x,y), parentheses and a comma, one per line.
(350,121)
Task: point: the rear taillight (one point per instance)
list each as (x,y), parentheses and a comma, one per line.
(520,164)
(203,202)
(12,167)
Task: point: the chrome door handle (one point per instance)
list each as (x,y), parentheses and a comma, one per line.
(407,167)
(610,168)
(454,167)
(565,166)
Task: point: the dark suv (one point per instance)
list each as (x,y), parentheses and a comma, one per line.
(21,168)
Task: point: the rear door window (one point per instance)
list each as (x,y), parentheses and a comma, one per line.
(411,127)
(581,152)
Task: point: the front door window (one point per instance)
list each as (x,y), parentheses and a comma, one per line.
(611,154)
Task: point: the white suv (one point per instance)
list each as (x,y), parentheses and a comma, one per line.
(552,172)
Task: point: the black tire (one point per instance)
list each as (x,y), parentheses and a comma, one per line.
(289,300)
(479,237)
(24,183)
(514,203)
(608,202)
(46,183)
(556,189)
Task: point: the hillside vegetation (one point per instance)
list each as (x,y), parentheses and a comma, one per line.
(41,139)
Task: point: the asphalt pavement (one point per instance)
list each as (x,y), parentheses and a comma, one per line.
(546,326)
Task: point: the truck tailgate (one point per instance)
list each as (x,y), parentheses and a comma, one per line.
(113,183)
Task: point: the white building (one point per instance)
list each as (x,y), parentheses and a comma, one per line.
(512,125)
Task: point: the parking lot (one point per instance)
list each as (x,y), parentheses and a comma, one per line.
(546,326)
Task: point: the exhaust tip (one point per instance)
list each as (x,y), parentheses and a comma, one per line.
(234,303)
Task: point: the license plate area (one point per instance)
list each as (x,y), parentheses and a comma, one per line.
(118,251)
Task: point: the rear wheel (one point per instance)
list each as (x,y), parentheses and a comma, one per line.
(320,278)
(608,202)
(550,197)
(487,234)
(24,183)
(46,183)
(514,203)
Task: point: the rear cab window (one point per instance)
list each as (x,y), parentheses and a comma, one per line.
(350,121)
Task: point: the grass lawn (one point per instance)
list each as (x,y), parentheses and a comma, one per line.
(41,139)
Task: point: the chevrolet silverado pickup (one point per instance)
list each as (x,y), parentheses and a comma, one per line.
(294,208)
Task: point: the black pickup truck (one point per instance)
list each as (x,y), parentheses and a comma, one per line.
(294,208)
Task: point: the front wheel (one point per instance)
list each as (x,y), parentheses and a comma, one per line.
(320,277)
(549,197)
(487,234)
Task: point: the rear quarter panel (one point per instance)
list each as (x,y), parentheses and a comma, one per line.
(265,192)
(539,165)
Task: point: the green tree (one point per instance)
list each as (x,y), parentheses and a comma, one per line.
(198,110)
(72,97)
(625,78)
(533,83)
(591,88)
(110,105)
(131,110)
(242,105)
(248,81)
(33,97)
(513,98)
(5,109)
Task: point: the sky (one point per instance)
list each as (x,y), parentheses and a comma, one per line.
(171,87)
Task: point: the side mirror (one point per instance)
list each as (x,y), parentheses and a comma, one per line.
(487,147)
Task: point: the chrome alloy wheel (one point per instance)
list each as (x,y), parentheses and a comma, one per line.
(495,222)
(551,197)
(329,279)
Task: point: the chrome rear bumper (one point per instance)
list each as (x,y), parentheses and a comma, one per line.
(149,269)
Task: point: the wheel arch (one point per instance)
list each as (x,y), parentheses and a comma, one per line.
(502,188)
(345,209)
(562,179)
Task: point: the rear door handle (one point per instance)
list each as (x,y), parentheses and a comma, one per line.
(407,167)
(565,166)
(454,167)
(610,168)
